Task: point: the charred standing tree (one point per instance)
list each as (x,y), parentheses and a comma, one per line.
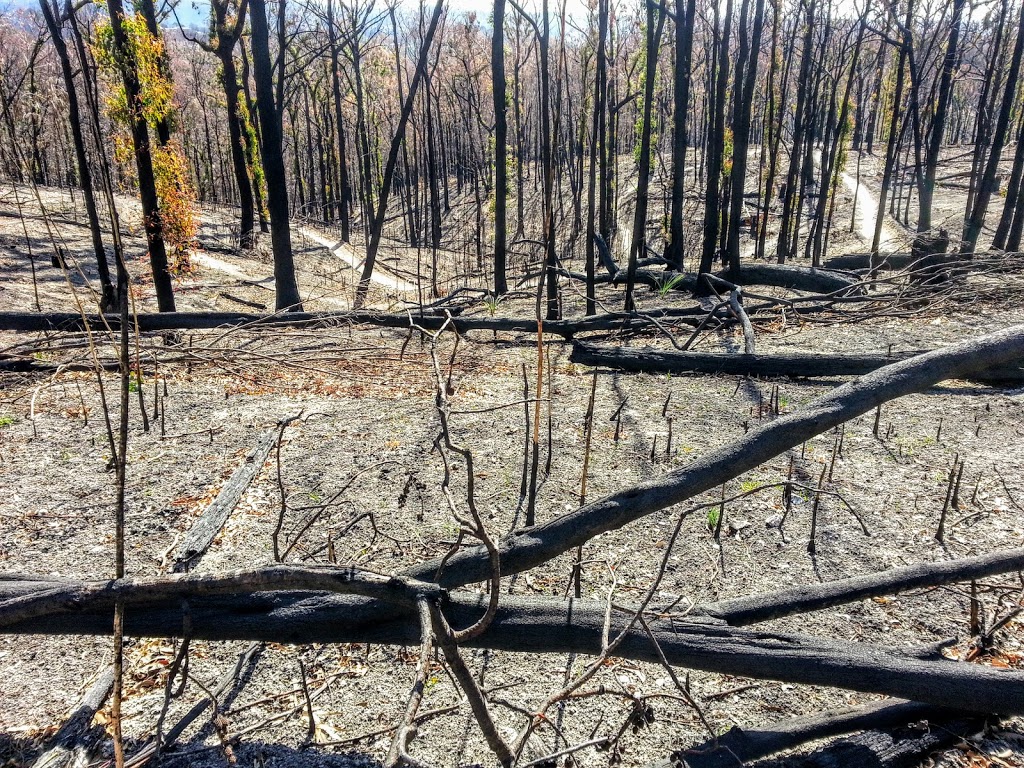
(800,127)
(597,138)
(716,141)
(938,127)
(988,183)
(408,179)
(345,187)
(287,290)
(892,147)
(830,171)
(638,245)
(683,53)
(125,57)
(746,73)
(548,169)
(84,172)
(227,24)
(986,100)
(377,227)
(500,148)
(1014,195)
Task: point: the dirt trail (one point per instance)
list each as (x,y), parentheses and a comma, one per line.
(866,213)
(345,252)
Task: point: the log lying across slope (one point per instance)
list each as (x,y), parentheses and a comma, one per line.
(430,320)
(795,364)
(549,625)
(534,625)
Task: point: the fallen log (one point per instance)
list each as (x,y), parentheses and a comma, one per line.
(744,611)
(859,261)
(202,533)
(72,744)
(527,548)
(739,745)
(530,625)
(904,747)
(806,279)
(792,364)
(432,321)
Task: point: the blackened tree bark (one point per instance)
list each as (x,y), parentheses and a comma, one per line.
(638,244)
(143,159)
(500,148)
(988,184)
(986,103)
(227,30)
(548,169)
(938,127)
(683,53)
(597,140)
(789,200)
(377,228)
(345,188)
(287,290)
(892,145)
(746,69)
(716,141)
(84,172)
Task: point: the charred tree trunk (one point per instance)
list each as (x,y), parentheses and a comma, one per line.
(638,246)
(597,150)
(377,228)
(938,127)
(81,157)
(715,147)
(500,148)
(287,290)
(683,53)
(746,68)
(143,159)
(988,184)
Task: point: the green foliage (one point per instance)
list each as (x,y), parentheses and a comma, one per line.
(669,285)
(146,55)
(727,153)
(713,515)
(6,420)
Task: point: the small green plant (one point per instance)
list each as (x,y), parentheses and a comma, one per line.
(491,302)
(133,382)
(748,485)
(6,420)
(669,285)
(713,515)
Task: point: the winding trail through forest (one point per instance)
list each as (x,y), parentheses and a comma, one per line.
(347,254)
(866,213)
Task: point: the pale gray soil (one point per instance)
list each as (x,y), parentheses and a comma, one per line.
(367,409)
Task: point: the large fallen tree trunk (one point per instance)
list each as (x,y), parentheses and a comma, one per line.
(432,321)
(794,364)
(528,548)
(806,279)
(902,747)
(739,746)
(72,744)
(743,611)
(532,626)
